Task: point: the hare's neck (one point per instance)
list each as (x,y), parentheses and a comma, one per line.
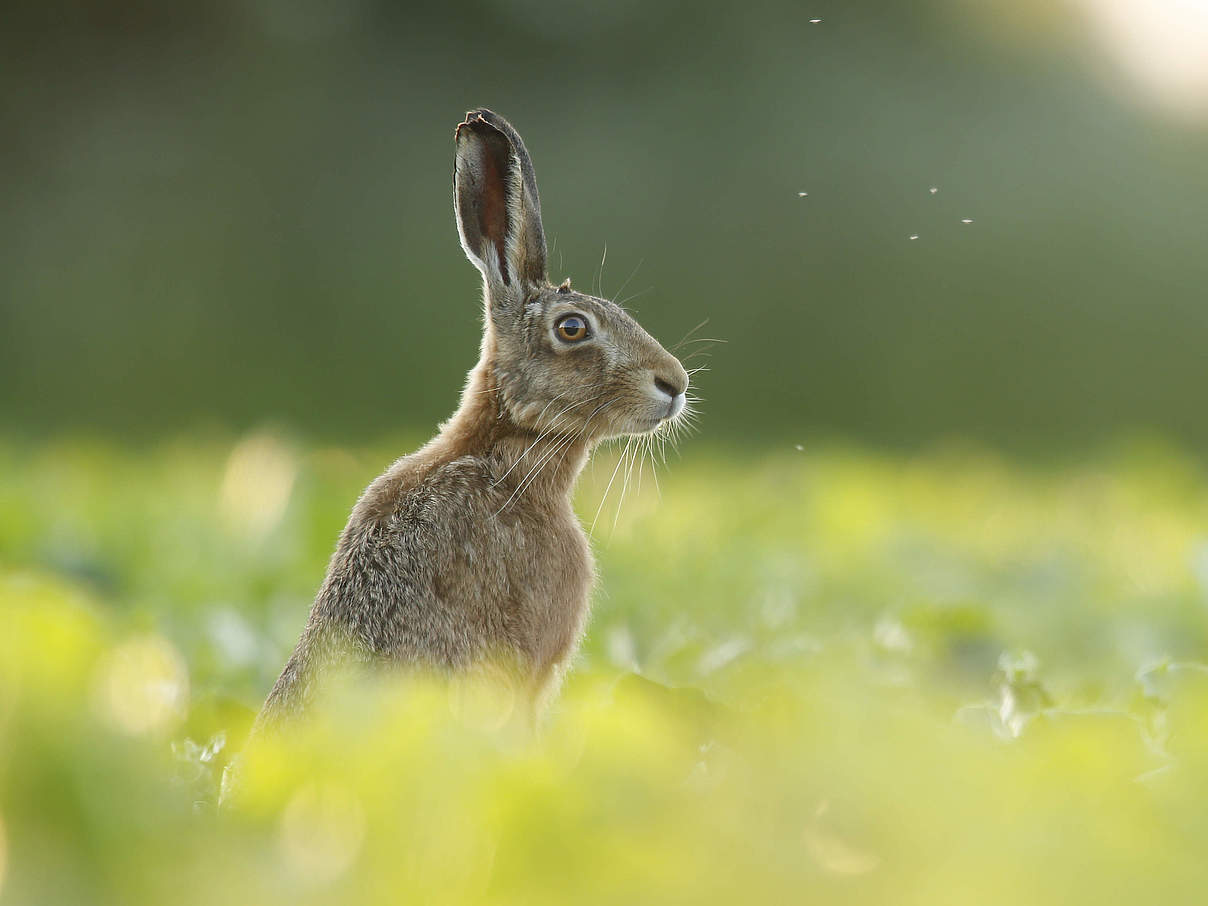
(535,464)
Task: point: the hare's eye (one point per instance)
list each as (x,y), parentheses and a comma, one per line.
(572,328)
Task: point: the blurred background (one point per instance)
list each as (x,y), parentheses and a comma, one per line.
(234,213)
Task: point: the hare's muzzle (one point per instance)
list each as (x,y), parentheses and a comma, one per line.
(673,387)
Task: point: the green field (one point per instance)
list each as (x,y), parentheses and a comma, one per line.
(812,675)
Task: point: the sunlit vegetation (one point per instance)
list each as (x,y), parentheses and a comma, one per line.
(818,675)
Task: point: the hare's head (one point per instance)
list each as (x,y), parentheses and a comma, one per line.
(563,361)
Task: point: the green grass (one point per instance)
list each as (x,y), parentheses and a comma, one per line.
(821,676)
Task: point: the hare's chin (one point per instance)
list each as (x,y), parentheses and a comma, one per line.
(648,425)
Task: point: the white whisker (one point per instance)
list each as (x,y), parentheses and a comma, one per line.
(534,473)
(632,274)
(654,470)
(624,485)
(684,338)
(611,479)
(561,445)
(621,303)
(543,433)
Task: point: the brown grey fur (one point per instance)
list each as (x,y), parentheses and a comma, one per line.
(466,555)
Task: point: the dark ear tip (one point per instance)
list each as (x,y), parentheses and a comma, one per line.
(479,119)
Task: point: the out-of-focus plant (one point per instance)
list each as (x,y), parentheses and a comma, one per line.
(826,677)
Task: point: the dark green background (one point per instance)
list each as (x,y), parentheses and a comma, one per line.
(232,213)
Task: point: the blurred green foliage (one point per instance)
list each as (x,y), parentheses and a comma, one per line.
(239,211)
(814,675)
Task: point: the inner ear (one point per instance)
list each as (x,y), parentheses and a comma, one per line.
(493,202)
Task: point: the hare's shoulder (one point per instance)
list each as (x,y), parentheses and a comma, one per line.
(389,584)
(414,527)
(416,508)
(430,519)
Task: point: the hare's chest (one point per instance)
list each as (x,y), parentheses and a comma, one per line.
(550,573)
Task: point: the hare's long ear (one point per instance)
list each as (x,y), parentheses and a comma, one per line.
(498,211)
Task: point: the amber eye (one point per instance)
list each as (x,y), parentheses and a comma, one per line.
(572,328)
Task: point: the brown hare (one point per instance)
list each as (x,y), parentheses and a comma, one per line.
(466,555)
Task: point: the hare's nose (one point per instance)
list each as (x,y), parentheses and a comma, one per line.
(667,387)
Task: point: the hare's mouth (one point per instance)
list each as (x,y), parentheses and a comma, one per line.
(652,414)
(655,422)
(640,423)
